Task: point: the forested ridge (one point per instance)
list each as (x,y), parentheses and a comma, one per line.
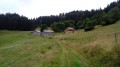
(86,20)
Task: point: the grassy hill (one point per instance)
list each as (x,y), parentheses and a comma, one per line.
(97,48)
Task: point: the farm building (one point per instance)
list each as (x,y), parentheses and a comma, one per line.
(36,32)
(47,33)
(69,30)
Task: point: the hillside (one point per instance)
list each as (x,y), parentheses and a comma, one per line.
(96,48)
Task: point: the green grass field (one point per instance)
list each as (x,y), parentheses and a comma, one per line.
(95,48)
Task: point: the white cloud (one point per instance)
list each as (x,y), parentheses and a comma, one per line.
(35,8)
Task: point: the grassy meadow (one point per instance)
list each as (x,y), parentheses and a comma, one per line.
(97,48)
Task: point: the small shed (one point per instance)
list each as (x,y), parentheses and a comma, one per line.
(69,30)
(36,32)
(47,33)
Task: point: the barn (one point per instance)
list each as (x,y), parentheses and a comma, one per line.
(36,32)
(69,30)
(47,33)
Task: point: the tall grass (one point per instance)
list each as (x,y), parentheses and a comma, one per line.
(95,48)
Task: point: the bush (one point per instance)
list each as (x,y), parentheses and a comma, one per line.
(58,26)
(84,22)
(90,25)
(111,21)
(78,24)
(103,23)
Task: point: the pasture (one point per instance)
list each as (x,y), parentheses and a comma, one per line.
(95,48)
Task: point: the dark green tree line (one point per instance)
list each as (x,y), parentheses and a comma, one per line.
(76,19)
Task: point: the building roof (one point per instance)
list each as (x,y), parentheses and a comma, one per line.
(48,31)
(37,31)
(69,29)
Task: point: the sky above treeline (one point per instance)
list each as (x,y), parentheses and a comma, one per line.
(36,8)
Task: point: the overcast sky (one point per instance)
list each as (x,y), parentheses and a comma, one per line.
(36,8)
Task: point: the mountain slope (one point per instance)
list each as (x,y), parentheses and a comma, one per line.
(97,48)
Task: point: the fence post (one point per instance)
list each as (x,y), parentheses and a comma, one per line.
(116,38)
